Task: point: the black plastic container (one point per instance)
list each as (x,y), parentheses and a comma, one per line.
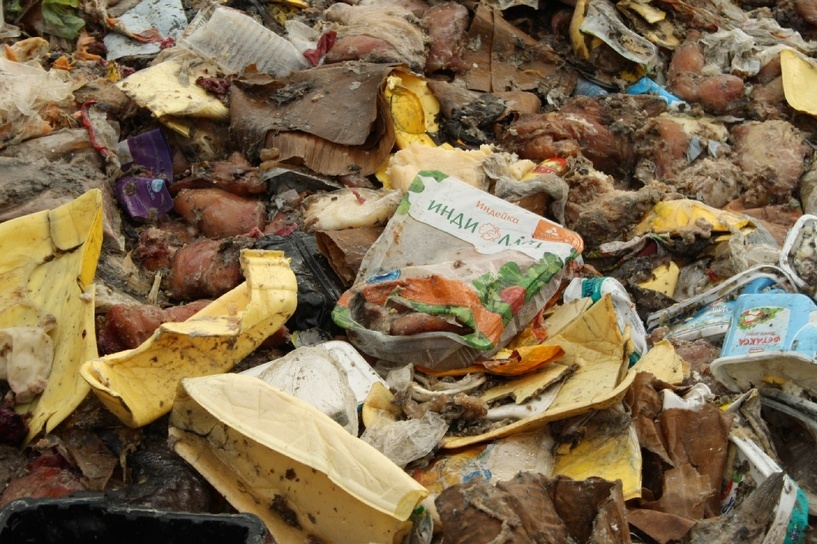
(86,520)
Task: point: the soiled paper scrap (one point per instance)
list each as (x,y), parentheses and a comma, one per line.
(664,528)
(677,216)
(497,461)
(664,363)
(609,450)
(527,386)
(799,78)
(138,385)
(594,344)
(282,459)
(496,42)
(47,268)
(164,91)
(344,249)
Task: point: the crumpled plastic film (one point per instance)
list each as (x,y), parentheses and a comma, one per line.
(47,268)
(138,385)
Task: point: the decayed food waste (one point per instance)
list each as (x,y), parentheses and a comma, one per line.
(572,244)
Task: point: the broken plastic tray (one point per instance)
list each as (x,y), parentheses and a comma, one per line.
(78,520)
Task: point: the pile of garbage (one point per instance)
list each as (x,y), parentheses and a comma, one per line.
(409,271)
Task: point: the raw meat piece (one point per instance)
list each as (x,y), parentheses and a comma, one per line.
(377,33)
(807,9)
(601,129)
(417,7)
(41,482)
(599,211)
(219,214)
(127,326)
(446,24)
(719,94)
(157,245)
(715,182)
(771,156)
(206,268)
(235,175)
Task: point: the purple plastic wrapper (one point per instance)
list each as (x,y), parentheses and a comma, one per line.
(144,199)
(150,151)
(144,196)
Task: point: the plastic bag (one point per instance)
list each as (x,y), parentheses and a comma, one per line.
(455,275)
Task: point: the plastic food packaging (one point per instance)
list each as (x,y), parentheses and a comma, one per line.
(790,517)
(799,254)
(456,274)
(144,195)
(772,341)
(677,313)
(603,21)
(647,86)
(165,16)
(712,321)
(318,286)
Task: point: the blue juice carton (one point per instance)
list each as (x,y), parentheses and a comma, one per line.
(771,342)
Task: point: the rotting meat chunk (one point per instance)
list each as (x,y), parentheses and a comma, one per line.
(771,155)
(719,94)
(219,214)
(127,326)
(206,268)
(602,130)
(378,34)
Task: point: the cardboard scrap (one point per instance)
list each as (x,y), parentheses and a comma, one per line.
(608,450)
(344,249)
(332,118)
(506,59)
(664,363)
(701,439)
(663,527)
(799,77)
(534,508)
(165,92)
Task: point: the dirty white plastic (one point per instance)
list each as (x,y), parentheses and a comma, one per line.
(166,16)
(603,21)
(235,41)
(761,466)
(792,244)
(725,289)
(331,376)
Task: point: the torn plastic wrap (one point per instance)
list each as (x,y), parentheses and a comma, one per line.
(48,264)
(455,275)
